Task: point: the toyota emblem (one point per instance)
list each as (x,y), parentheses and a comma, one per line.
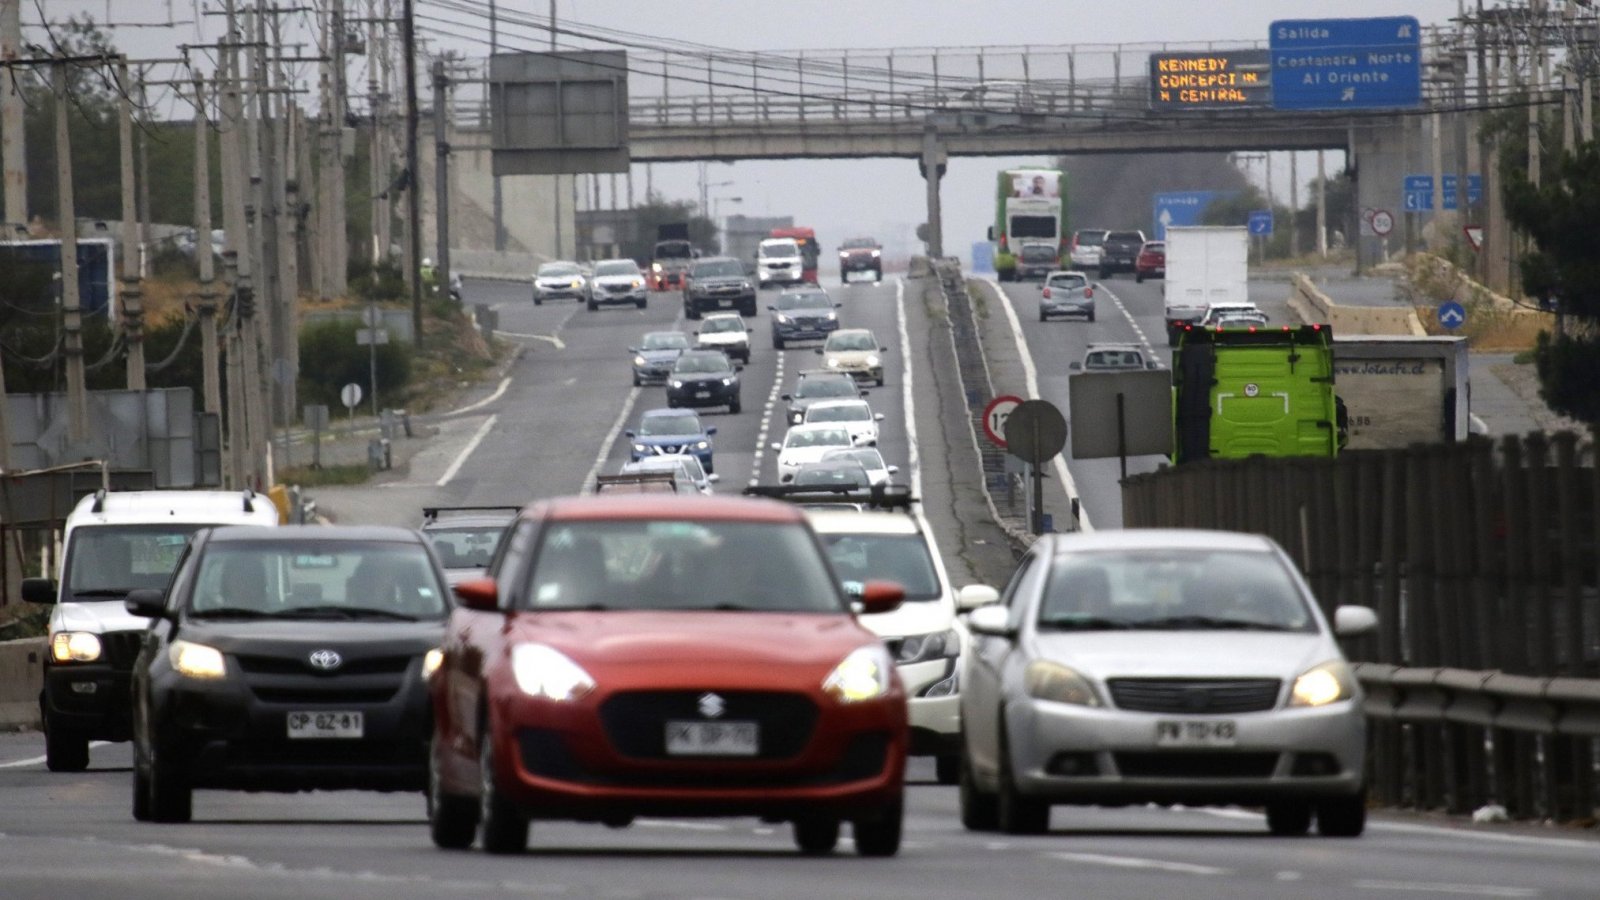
(712,706)
(326,660)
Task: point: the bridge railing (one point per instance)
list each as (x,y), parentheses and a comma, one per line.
(882,106)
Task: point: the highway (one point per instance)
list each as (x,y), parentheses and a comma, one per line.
(543,432)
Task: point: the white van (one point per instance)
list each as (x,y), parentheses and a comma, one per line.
(114,543)
(778,261)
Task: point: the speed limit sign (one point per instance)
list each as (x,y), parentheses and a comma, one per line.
(1382,222)
(994,417)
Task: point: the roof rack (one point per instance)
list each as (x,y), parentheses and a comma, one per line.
(887,495)
(431,513)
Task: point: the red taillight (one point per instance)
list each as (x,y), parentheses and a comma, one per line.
(1002,243)
(1316,327)
(1046,294)
(1088,292)
(1252,329)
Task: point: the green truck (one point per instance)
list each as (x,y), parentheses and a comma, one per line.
(1240,392)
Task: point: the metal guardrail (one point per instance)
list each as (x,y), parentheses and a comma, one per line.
(1492,699)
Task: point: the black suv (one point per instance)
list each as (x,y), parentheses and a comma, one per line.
(704,378)
(819,384)
(287,659)
(1120,252)
(803,316)
(717,283)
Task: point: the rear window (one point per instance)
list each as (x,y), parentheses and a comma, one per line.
(1069,281)
(1133,236)
(1038,253)
(788,248)
(1091,238)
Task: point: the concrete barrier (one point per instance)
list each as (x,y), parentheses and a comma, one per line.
(21,678)
(1312,305)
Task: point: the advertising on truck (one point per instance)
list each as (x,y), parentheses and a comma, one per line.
(1030,207)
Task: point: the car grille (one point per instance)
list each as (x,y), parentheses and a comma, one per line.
(669,449)
(121,648)
(619,288)
(636,722)
(544,753)
(1204,697)
(300,665)
(290,679)
(1189,764)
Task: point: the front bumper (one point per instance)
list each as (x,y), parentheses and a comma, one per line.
(557,293)
(805,329)
(701,394)
(652,374)
(90,699)
(632,295)
(705,455)
(861,373)
(854,264)
(780,276)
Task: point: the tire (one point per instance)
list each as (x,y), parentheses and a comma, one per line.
(734,407)
(691,311)
(747,310)
(879,835)
(537,301)
(979,811)
(1043,317)
(707,466)
(171,797)
(947,768)
(1091,317)
(641,302)
(878,279)
(65,750)
(816,837)
(777,342)
(1015,813)
(593,306)
(880,381)
(1103,274)
(1289,818)
(504,827)
(1343,816)
(452,820)
(636,381)
(141,794)
(1138,278)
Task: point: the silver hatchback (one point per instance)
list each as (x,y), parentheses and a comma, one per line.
(1161,666)
(1066,294)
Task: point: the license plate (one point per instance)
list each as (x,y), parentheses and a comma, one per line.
(1197,733)
(702,394)
(713,738)
(325,725)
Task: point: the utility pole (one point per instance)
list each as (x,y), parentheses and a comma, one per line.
(378,177)
(441,172)
(1294,203)
(279,385)
(560,253)
(71,312)
(1458,59)
(132,300)
(1322,206)
(499,200)
(285,200)
(210,377)
(338,238)
(13,137)
(408,42)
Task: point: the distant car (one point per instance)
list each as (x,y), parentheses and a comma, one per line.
(855,415)
(1120,252)
(465,537)
(1066,294)
(1166,666)
(717,282)
(815,385)
(704,378)
(1037,259)
(663,432)
(1152,261)
(856,351)
(861,254)
(803,315)
(779,262)
(878,471)
(1107,357)
(1240,320)
(1085,250)
(618,281)
(286,659)
(653,357)
(560,280)
(807,443)
(1217,311)
(686,466)
(832,473)
(726,332)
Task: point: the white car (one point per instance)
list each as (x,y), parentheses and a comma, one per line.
(856,351)
(924,635)
(560,279)
(806,443)
(778,261)
(1218,311)
(855,415)
(726,332)
(618,281)
(686,466)
(871,460)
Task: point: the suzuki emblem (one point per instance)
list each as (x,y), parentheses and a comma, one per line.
(326,660)
(712,706)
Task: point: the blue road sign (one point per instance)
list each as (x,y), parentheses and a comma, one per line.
(1417,192)
(1452,314)
(983,257)
(1260,222)
(1346,63)
(1182,208)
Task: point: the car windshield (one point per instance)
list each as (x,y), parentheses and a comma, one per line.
(1113,359)
(789,248)
(849,412)
(701,362)
(658,426)
(1069,282)
(842,386)
(1038,252)
(616,267)
(805,300)
(852,341)
(897,557)
(840,473)
(722,268)
(817,437)
(666,340)
(1173,590)
(678,565)
(861,244)
(556,270)
(108,561)
(868,457)
(315,579)
(1091,238)
(465,547)
(723,324)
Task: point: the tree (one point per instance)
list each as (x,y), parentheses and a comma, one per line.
(655,211)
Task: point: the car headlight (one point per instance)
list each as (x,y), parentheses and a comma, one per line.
(727,382)
(431,662)
(1328,683)
(863,675)
(637,283)
(703,445)
(545,672)
(655,267)
(640,448)
(639,360)
(196,660)
(876,254)
(832,316)
(923,647)
(74,646)
(785,320)
(872,360)
(676,383)
(833,362)
(796,417)
(577,284)
(1045,680)
(745,285)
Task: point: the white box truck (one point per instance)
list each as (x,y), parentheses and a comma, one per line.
(1401,390)
(1206,265)
(113,543)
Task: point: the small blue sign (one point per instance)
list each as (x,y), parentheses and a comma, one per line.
(1417,192)
(1452,314)
(1260,222)
(983,257)
(1346,63)
(1182,208)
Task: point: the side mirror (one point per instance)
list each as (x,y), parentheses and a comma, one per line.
(633,349)
(1353,621)
(776,447)
(1152,364)
(771,307)
(878,596)
(147,603)
(629,434)
(481,594)
(738,367)
(975,596)
(39,590)
(713,478)
(838,306)
(883,349)
(817,351)
(893,470)
(864,393)
(786,397)
(877,417)
(712,429)
(1075,367)
(993,620)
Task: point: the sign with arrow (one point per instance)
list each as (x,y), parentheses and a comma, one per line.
(1181,208)
(1260,222)
(1452,315)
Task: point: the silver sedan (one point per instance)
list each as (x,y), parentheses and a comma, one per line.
(1161,666)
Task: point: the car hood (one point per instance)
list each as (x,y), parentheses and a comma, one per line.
(656,440)
(691,639)
(794,456)
(720,281)
(95,617)
(851,357)
(659,355)
(719,338)
(912,617)
(806,312)
(1185,654)
(283,636)
(618,279)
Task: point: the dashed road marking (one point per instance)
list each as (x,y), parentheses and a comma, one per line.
(1138,862)
(1440,887)
(766,420)
(1149,348)
(498,393)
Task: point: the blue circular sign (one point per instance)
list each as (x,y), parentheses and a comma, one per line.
(1452,314)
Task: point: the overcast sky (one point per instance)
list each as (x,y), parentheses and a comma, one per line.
(840,198)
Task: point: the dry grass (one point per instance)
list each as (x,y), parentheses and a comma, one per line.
(1494,323)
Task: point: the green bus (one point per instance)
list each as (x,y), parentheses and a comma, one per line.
(1030,207)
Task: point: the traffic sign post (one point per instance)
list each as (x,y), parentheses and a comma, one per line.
(1035,432)
(1474,235)
(1382,222)
(350,396)
(1452,315)
(994,418)
(1346,64)
(1416,192)
(1260,222)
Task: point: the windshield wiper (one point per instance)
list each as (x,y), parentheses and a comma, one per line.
(103,592)
(1090,623)
(343,612)
(1201,623)
(230,612)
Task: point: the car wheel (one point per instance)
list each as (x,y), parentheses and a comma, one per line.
(880,381)
(593,306)
(777,343)
(636,381)
(1289,818)
(537,301)
(946,766)
(747,309)
(1138,278)
(706,464)
(816,836)
(671,403)
(1103,274)
(1091,317)
(1043,317)
(1342,816)
(879,834)
(1017,814)
(978,808)
(65,750)
(452,820)
(691,312)
(505,828)
(642,301)
(734,407)
(141,793)
(171,797)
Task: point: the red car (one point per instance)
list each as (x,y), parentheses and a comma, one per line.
(1151,262)
(664,655)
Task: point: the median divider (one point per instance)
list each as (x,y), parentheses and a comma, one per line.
(1312,305)
(21,678)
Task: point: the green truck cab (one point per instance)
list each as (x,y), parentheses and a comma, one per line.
(1239,392)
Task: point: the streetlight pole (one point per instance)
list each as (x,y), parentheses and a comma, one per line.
(716,219)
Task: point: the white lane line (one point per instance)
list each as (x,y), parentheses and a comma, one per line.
(40,760)
(552,339)
(682,826)
(610,439)
(766,420)
(1137,862)
(461,458)
(1149,349)
(1432,830)
(1440,887)
(1033,392)
(907,397)
(1479,426)
(498,393)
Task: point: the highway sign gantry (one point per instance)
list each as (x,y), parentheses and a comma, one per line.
(1346,64)
(995,415)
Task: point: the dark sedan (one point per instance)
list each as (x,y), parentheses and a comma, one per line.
(803,316)
(704,378)
(1120,252)
(286,659)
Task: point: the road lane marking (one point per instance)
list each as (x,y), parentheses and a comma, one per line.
(1137,862)
(461,458)
(498,393)
(1434,830)
(616,427)
(766,420)
(553,340)
(1149,349)
(40,760)
(682,826)
(907,398)
(1440,887)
